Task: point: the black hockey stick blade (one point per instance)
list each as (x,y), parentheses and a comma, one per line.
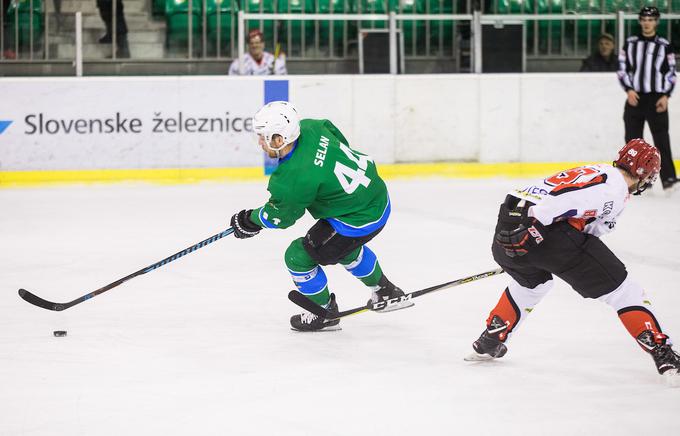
(58,307)
(310,306)
(306,304)
(317,310)
(37,301)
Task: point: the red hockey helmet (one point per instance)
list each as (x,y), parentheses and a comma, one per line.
(640,159)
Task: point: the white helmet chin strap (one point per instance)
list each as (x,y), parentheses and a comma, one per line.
(276,150)
(274,119)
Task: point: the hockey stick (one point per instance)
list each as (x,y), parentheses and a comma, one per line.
(277,52)
(307,304)
(37,301)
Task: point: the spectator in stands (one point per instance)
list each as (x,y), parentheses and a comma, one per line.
(647,74)
(258,62)
(604,59)
(106,12)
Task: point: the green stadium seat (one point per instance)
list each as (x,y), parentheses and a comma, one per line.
(301,32)
(577,32)
(335,36)
(158,8)
(411,28)
(661,4)
(176,15)
(549,32)
(266,26)
(414,30)
(515,7)
(227,22)
(442,32)
(24,13)
(675,6)
(373,7)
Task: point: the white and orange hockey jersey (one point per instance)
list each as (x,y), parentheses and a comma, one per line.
(267,65)
(590,197)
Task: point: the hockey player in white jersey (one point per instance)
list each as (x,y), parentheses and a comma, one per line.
(553,227)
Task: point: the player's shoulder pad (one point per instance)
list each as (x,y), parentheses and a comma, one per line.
(663,40)
(632,38)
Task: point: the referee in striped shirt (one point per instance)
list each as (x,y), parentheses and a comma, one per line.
(647,73)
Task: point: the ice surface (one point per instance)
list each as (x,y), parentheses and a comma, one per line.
(202,346)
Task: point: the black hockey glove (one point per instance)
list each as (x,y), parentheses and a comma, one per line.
(243,226)
(519,241)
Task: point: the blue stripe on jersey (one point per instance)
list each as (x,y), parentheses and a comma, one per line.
(348,230)
(310,282)
(364,265)
(268,224)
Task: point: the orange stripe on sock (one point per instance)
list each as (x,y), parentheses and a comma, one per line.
(637,321)
(507,310)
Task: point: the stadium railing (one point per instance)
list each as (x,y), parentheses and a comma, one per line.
(210,30)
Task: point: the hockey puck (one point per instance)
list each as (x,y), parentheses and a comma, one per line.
(59,333)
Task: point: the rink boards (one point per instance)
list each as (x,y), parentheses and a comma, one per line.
(180,129)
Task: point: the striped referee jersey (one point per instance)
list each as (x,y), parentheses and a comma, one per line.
(647,65)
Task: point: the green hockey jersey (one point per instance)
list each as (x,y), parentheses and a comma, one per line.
(323,175)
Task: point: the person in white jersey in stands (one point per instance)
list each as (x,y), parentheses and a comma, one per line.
(258,62)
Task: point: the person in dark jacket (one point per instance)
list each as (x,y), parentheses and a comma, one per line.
(604,59)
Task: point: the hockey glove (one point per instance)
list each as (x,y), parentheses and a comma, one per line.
(519,241)
(243,226)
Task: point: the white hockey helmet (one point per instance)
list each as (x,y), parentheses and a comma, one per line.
(277,118)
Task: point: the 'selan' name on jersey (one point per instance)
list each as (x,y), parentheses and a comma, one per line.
(321,151)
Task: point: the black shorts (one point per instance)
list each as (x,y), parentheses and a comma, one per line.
(578,258)
(328,247)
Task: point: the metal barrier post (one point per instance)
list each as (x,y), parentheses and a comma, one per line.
(114,29)
(218,21)
(30,30)
(241,42)
(393,43)
(476,42)
(79,44)
(46,27)
(16,31)
(190,30)
(204,32)
(620,30)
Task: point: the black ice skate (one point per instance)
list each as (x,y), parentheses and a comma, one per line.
(387,297)
(666,359)
(308,322)
(489,346)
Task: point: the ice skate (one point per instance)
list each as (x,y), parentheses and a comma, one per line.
(308,322)
(389,297)
(489,346)
(667,361)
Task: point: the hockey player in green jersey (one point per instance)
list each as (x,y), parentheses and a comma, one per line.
(340,187)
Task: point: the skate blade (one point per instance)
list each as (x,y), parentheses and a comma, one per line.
(335,328)
(476,357)
(672,378)
(396,306)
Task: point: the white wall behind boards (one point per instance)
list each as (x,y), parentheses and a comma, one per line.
(490,118)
